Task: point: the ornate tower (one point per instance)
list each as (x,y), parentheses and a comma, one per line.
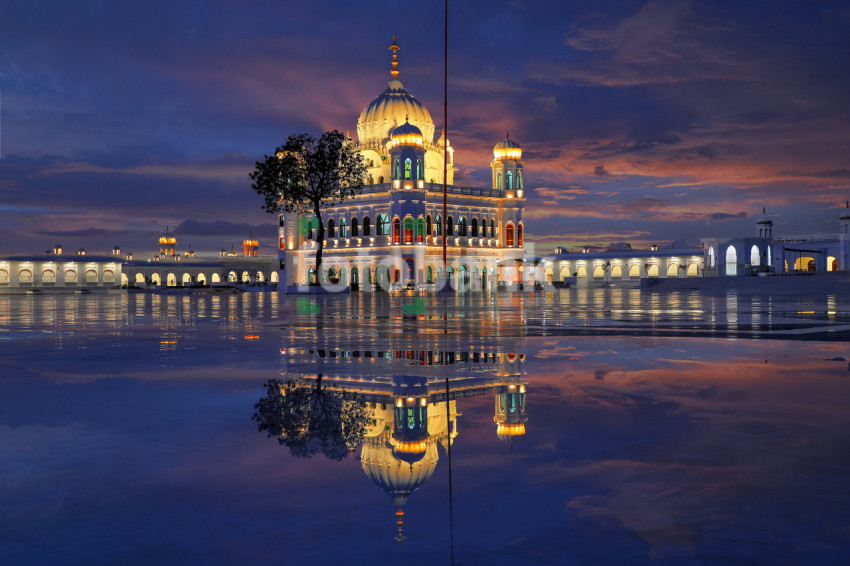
(167,244)
(507,167)
(407,157)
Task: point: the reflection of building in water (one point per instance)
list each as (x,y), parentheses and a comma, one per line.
(406,390)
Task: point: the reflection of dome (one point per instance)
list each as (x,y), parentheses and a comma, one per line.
(397,477)
(510,432)
(507,148)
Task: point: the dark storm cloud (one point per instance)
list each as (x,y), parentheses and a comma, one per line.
(190,227)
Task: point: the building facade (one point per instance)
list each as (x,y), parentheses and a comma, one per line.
(391,234)
(763,253)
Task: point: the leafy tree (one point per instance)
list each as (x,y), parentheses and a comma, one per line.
(308,174)
(311,418)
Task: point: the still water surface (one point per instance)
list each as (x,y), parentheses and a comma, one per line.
(586,427)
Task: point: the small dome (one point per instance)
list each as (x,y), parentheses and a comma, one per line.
(763,219)
(167,238)
(507,148)
(406,134)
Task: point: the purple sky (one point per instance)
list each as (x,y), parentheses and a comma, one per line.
(644,121)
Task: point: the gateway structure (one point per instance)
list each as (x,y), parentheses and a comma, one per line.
(391,234)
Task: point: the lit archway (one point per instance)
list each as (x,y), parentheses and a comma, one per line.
(48,276)
(617,271)
(202,279)
(673,270)
(731,261)
(91,276)
(581,271)
(693,269)
(634,270)
(652,270)
(755,256)
(170,280)
(140,277)
(599,271)
(216,278)
(187,279)
(831,263)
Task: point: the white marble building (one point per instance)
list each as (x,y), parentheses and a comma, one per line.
(391,234)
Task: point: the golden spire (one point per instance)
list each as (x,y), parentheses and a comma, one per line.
(394,48)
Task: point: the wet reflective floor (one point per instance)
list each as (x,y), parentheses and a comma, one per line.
(581,427)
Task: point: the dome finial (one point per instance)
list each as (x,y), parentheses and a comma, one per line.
(507,134)
(394,48)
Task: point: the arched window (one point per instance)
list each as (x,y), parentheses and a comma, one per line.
(474,227)
(634,270)
(381,179)
(396,169)
(407,168)
(564,273)
(652,270)
(428,226)
(673,270)
(186,278)
(419,173)
(755,256)
(343,228)
(383,227)
(438,229)
(420,230)
(769,258)
(483,227)
(49,276)
(367,229)
(4,276)
(355,276)
(693,269)
(461,226)
(509,178)
(25,276)
(509,235)
(581,271)
(449,227)
(396,230)
(216,278)
(498,179)
(91,276)
(202,279)
(617,271)
(108,276)
(519,179)
(408,230)
(429,274)
(492,227)
(331,228)
(354,231)
(599,271)
(711,257)
(731,261)
(519,235)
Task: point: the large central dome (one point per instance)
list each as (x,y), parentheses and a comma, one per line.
(393,107)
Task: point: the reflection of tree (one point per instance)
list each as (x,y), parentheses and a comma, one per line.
(310,418)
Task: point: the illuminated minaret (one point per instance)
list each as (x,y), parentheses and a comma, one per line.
(507,167)
(250,247)
(764,225)
(167,244)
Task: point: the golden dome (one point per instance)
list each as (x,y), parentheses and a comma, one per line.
(406,134)
(507,149)
(393,106)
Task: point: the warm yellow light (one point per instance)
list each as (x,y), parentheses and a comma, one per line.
(510,429)
(410,447)
(399,402)
(423,401)
(508,153)
(406,139)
